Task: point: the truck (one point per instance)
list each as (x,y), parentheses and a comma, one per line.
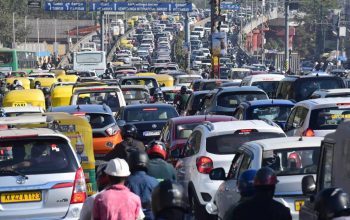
(277,60)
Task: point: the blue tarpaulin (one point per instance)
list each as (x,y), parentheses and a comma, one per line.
(43,54)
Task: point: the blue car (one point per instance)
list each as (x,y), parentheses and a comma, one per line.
(276,110)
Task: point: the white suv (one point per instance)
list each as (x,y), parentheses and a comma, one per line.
(317,117)
(214,145)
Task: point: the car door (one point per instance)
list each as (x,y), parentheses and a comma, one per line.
(185,166)
(296,119)
(228,193)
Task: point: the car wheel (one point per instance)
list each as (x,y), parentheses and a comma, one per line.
(198,210)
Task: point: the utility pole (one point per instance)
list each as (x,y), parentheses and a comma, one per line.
(13,31)
(187,41)
(338,38)
(25,29)
(102,31)
(262,32)
(286,33)
(215,28)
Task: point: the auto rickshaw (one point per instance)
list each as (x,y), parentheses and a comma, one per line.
(59,72)
(22,98)
(79,131)
(60,95)
(67,78)
(131,23)
(164,80)
(45,82)
(25,81)
(146,74)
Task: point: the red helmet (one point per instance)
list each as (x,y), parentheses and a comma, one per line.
(265,177)
(158,148)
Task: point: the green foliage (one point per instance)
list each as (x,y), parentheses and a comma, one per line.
(180,53)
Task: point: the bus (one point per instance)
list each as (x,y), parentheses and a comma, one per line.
(17,60)
(90,61)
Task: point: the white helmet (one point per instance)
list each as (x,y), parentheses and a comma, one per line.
(117,167)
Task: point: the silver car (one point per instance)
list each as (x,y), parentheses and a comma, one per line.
(40,176)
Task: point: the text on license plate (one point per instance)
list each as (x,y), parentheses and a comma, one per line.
(151,133)
(298,204)
(13,197)
(19,104)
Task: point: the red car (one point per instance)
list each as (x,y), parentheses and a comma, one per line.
(177,130)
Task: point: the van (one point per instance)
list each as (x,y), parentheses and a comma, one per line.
(333,169)
(299,88)
(239,73)
(266,82)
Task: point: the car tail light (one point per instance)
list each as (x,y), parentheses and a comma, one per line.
(204,165)
(79,188)
(112,130)
(309,133)
(79,113)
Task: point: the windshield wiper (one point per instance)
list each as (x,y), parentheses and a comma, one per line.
(14,172)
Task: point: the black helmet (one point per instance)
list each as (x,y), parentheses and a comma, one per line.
(265,177)
(138,160)
(37,83)
(168,195)
(183,89)
(101,177)
(129,130)
(331,203)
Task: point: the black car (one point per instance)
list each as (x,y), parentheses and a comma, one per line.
(149,119)
(193,102)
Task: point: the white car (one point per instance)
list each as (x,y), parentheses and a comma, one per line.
(16,111)
(292,158)
(327,93)
(185,80)
(206,52)
(214,145)
(317,117)
(200,30)
(267,82)
(224,28)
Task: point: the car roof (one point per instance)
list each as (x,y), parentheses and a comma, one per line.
(91,108)
(147,106)
(268,102)
(333,91)
(201,118)
(219,127)
(240,89)
(22,109)
(295,77)
(133,87)
(265,77)
(325,102)
(26,132)
(286,142)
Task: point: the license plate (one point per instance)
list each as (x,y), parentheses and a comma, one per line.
(19,104)
(151,133)
(298,204)
(15,197)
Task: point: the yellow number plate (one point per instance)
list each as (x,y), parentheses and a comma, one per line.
(298,204)
(19,104)
(13,197)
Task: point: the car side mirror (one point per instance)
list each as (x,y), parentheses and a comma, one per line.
(308,185)
(121,123)
(217,174)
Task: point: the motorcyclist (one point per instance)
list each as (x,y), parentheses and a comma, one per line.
(37,85)
(129,143)
(168,201)
(108,74)
(332,204)
(158,97)
(246,189)
(180,99)
(17,85)
(139,182)
(157,166)
(262,206)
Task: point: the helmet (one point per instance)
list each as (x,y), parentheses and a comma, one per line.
(246,183)
(37,83)
(183,89)
(158,148)
(138,160)
(332,202)
(265,177)
(168,195)
(129,130)
(117,167)
(101,177)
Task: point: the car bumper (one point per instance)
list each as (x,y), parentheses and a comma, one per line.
(104,145)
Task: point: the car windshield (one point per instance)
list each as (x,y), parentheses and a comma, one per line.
(275,113)
(270,87)
(169,96)
(328,118)
(149,114)
(135,94)
(292,161)
(100,98)
(232,100)
(211,85)
(36,156)
(184,131)
(240,74)
(150,83)
(229,143)
(97,120)
(306,87)
(187,79)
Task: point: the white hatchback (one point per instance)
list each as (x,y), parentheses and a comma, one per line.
(213,145)
(317,117)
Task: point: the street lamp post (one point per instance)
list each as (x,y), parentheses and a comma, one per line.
(286,33)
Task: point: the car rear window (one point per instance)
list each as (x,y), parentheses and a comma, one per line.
(100,98)
(135,94)
(99,120)
(292,161)
(185,130)
(328,118)
(229,143)
(149,114)
(275,113)
(169,96)
(36,156)
(233,99)
(306,87)
(270,87)
(150,83)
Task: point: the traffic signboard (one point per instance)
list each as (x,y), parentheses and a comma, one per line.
(230,6)
(140,7)
(65,6)
(34,3)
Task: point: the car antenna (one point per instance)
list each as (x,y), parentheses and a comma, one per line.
(301,137)
(271,101)
(78,108)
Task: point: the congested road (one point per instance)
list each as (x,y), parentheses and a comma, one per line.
(169,120)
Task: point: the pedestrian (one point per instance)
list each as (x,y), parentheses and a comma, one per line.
(140,183)
(245,188)
(128,205)
(168,201)
(262,206)
(129,144)
(157,166)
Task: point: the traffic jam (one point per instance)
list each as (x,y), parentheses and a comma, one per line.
(146,139)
